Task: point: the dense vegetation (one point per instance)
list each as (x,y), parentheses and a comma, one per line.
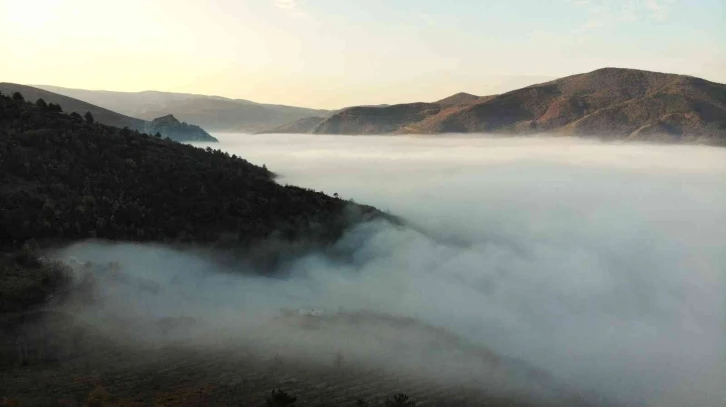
(63,177)
(25,281)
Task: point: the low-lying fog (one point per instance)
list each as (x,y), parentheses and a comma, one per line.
(603,264)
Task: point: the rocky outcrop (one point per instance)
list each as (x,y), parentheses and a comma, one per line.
(169,126)
(608,103)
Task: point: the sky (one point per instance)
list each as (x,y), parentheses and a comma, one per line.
(335,53)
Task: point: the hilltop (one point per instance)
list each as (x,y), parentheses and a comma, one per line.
(611,103)
(214,113)
(173,129)
(461,98)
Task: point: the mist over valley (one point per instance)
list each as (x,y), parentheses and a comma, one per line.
(575,267)
(331,203)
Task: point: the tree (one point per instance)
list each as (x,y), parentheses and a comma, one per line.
(54,107)
(280,398)
(89,118)
(338,361)
(157,135)
(75,116)
(400,400)
(41,103)
(18,96)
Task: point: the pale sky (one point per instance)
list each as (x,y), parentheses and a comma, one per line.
(335,53)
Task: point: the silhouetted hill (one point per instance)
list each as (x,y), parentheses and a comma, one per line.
(611,103)
(69,105)
(305,125)
(213,113)
(62,178)
(176,131)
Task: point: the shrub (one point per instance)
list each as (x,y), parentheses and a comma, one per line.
(280,398)
(98,397)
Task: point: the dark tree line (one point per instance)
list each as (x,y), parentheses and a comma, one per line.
(280,398)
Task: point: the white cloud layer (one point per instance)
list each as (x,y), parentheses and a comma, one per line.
(602,264)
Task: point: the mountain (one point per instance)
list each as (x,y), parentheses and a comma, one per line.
(213,113)
(305,125)
(611,103)
(168,128)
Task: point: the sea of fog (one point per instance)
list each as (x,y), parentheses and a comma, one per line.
(603,264)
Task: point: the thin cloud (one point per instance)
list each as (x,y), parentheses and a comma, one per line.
(292,7)
(602,13)
(589,26)
(287,4)
(659,9)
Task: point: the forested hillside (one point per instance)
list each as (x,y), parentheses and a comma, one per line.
(65,178)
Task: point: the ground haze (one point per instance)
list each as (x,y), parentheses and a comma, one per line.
(600,264)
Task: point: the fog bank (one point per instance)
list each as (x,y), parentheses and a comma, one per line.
(603,264)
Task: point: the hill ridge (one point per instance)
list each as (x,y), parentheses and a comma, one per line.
(614,103)
(215,113)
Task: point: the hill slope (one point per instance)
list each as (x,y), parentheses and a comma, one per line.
(64,179)
(171,128)
(70,104)
(213,113)
(612,103)
(305,125)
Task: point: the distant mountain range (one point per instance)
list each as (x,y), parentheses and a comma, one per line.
(610,103)
(213,113)
(167,125)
